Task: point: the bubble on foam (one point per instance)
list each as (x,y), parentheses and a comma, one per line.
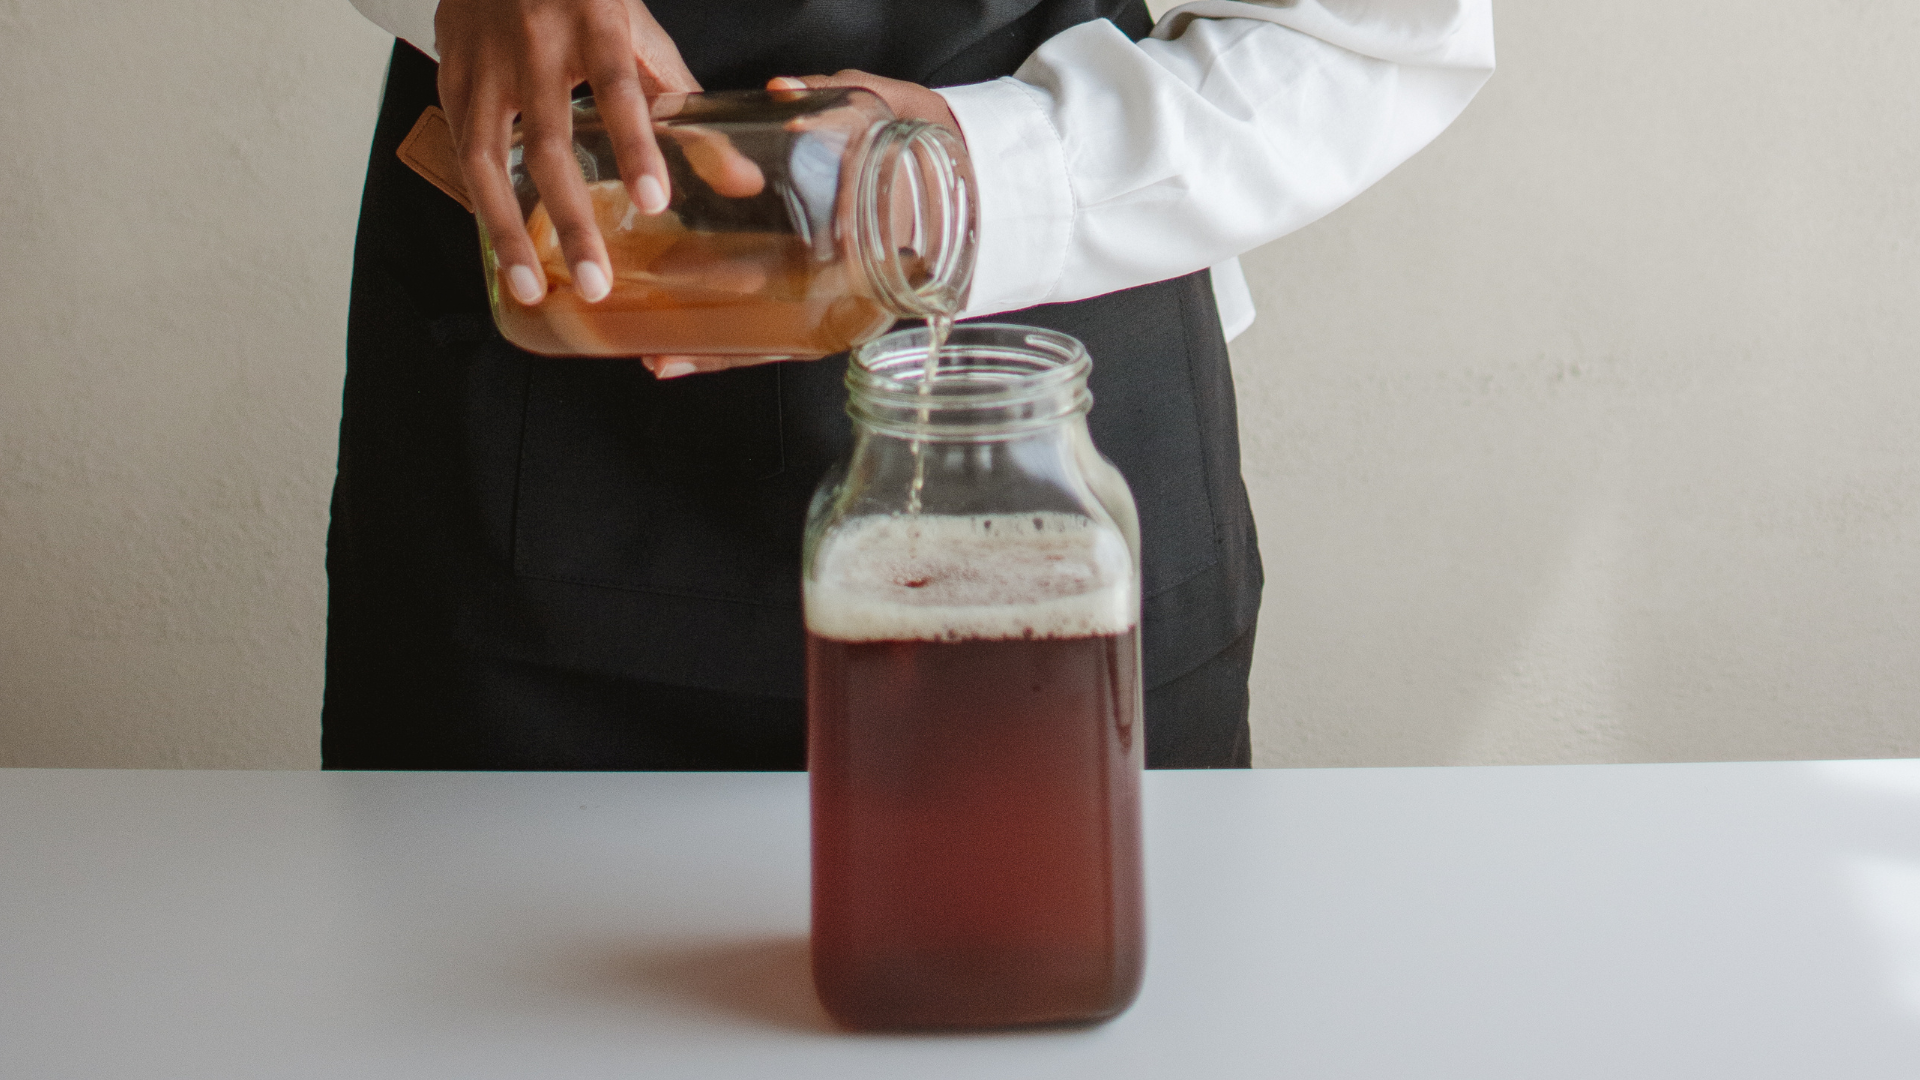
(996,577)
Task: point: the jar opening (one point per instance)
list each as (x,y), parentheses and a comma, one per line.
(991,380)
(915,218)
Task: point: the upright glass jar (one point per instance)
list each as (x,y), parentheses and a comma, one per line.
(974,738)
(800,223)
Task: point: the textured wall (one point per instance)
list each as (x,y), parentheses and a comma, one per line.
(1593,434)
(176,214)
(1588,436)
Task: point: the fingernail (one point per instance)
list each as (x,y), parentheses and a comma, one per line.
(525,285)
(675,370)
(784,82)
(590,281)
(653,197)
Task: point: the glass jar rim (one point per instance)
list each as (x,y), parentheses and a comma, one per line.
(991,379)
(943,166)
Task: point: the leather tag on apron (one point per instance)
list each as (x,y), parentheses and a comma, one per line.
(428,150)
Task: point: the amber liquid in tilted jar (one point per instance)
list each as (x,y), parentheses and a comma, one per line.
(800,223)
(974,734)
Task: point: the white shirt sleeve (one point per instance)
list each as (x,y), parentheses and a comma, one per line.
(409,20)
(1104,164)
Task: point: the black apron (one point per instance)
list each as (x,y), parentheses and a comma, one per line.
(540,563)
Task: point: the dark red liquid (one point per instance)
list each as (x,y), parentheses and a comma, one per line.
(976,830)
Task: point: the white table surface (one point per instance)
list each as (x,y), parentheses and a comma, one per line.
(1695,921)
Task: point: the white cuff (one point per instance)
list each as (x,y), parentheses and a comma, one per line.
(409,20)
(1026,201)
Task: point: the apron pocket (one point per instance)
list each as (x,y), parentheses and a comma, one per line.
(676,487)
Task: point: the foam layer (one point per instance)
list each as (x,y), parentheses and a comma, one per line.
(994,577)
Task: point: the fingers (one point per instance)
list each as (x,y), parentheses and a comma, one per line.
(662,69)
(482,134)
(499,57)
(546,124)
(476,94)
(715,159)
(614,74)
(674,367)
(679,367)
(909,101)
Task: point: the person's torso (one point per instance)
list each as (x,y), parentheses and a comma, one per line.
(582,513)
(742,44)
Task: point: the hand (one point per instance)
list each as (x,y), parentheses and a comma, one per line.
(909,101)
(501,57)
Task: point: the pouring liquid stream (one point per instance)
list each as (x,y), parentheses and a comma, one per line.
(938,327)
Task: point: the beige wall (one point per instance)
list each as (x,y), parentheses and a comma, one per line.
(1589,436)
(1593,434)
(177,203)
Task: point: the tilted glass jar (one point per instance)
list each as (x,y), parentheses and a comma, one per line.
(972,595)
(800,223)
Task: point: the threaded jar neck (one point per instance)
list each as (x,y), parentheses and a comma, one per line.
(992,381)
(915,217)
